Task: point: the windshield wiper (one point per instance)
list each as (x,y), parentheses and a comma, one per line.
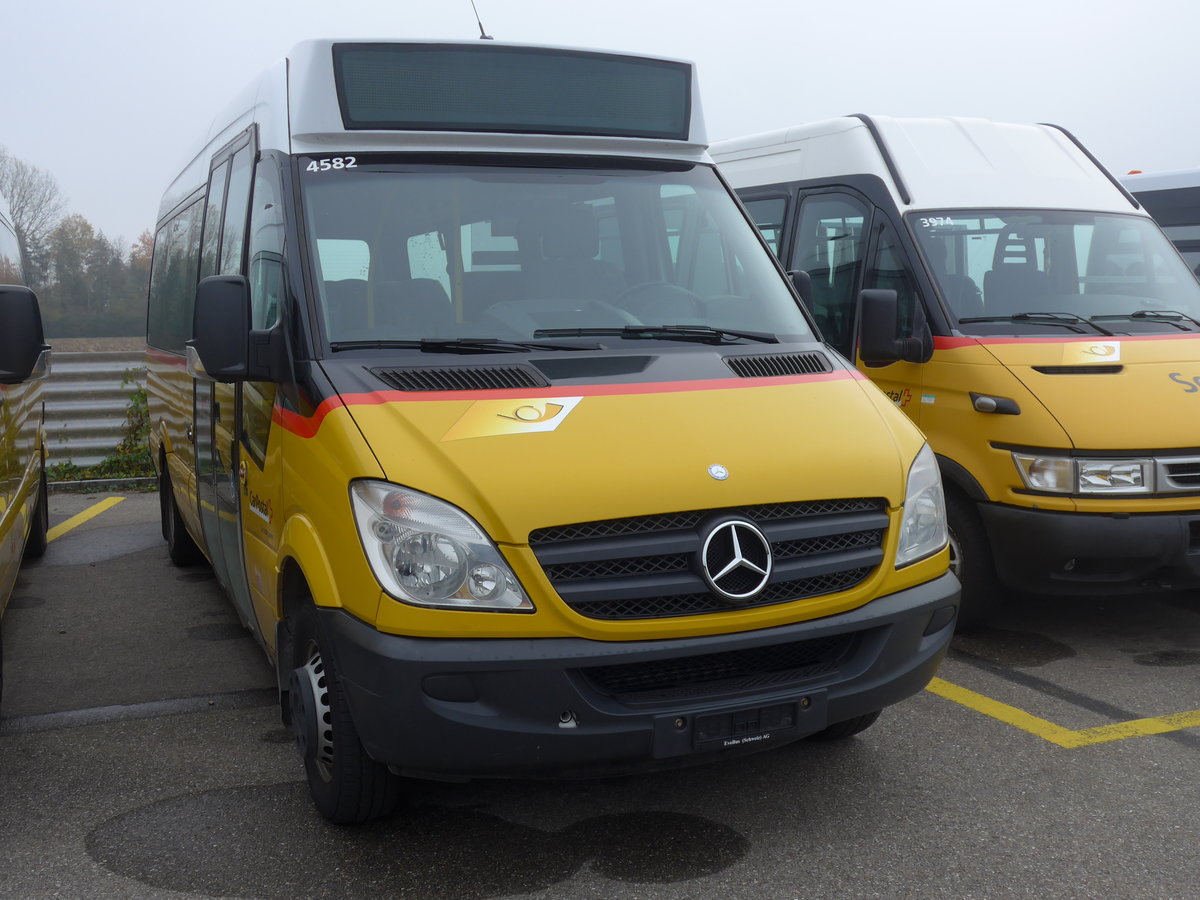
(1169,316)
(460,345)
(702,333)
(1066,320)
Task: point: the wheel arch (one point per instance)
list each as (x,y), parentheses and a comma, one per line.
(957,476)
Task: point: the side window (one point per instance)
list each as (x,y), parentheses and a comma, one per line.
(237,201)
(173,279)
(891,269)
(266,246)
(768,214)
(829,246)
(211,247)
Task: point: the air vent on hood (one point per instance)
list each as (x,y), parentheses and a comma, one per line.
(1078,370)
(775,364)
(462,378)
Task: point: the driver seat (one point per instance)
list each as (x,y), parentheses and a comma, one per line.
(568,268)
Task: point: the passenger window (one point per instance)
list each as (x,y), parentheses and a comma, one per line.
(342,260)
(211,247)
(266,275)
(891,270)
(237,201)
(173,279)
(266,248)
(768,216)
(829,246)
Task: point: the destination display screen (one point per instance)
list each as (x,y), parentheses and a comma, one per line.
(432,87)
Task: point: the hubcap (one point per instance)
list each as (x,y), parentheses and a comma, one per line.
(312,719)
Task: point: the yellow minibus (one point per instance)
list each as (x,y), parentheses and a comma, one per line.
(24,362)
(1009,296)
(508,437)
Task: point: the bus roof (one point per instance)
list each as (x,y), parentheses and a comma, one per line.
(363,95)
(932,163)
(1162,181)
(1173,198)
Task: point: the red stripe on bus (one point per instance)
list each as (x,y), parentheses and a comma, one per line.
(308,426)
(953,343)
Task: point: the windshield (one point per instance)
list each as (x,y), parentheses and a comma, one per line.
(405,252)
(1040,271)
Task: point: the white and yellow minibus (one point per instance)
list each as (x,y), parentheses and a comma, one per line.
(1027,314)
(24,362)
(508,437)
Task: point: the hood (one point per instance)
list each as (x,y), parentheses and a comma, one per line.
(1126,393)
(520,459)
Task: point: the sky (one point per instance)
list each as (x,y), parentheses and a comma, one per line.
(110,96)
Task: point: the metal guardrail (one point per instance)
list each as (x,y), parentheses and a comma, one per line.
(86,403)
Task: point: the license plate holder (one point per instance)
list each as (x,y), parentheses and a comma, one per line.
(740,727)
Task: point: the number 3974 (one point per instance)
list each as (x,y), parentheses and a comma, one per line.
(332,164)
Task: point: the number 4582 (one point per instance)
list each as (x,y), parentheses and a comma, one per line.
(337,162)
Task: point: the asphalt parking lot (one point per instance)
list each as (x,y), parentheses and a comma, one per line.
(141,755)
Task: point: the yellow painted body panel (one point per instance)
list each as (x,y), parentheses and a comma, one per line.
(611,456)
(1153,404)
(22,441)
(169,392)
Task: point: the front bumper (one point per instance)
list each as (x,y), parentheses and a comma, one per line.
(1092,553)
(571,706)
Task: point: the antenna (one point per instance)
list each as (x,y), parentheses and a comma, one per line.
(483,35)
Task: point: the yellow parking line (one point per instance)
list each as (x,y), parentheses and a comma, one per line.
(1056,734)
(79,518)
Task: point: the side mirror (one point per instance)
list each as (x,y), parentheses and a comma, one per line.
(219,347)
(877,340)
(21,341)
(223,348)
(802,282)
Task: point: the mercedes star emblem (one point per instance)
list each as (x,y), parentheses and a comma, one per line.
(736,560)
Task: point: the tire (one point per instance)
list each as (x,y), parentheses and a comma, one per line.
(971,560)
(841,730)
(346,784)
(37,542)
(180,547)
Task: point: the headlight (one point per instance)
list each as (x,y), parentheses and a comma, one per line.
(923,528)
(1080,475)
(429,553)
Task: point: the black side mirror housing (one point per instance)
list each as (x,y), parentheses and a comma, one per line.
(21,340)
(802,282)
(877,341)
(222,342)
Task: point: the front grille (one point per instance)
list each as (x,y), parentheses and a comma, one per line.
(649,567)
(1180,475)
(775,364)
(714,674)
(462,378)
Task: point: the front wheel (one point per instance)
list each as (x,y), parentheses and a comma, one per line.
(971,561)
(346,784)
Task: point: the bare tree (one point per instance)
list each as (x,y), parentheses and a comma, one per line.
(36,204)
